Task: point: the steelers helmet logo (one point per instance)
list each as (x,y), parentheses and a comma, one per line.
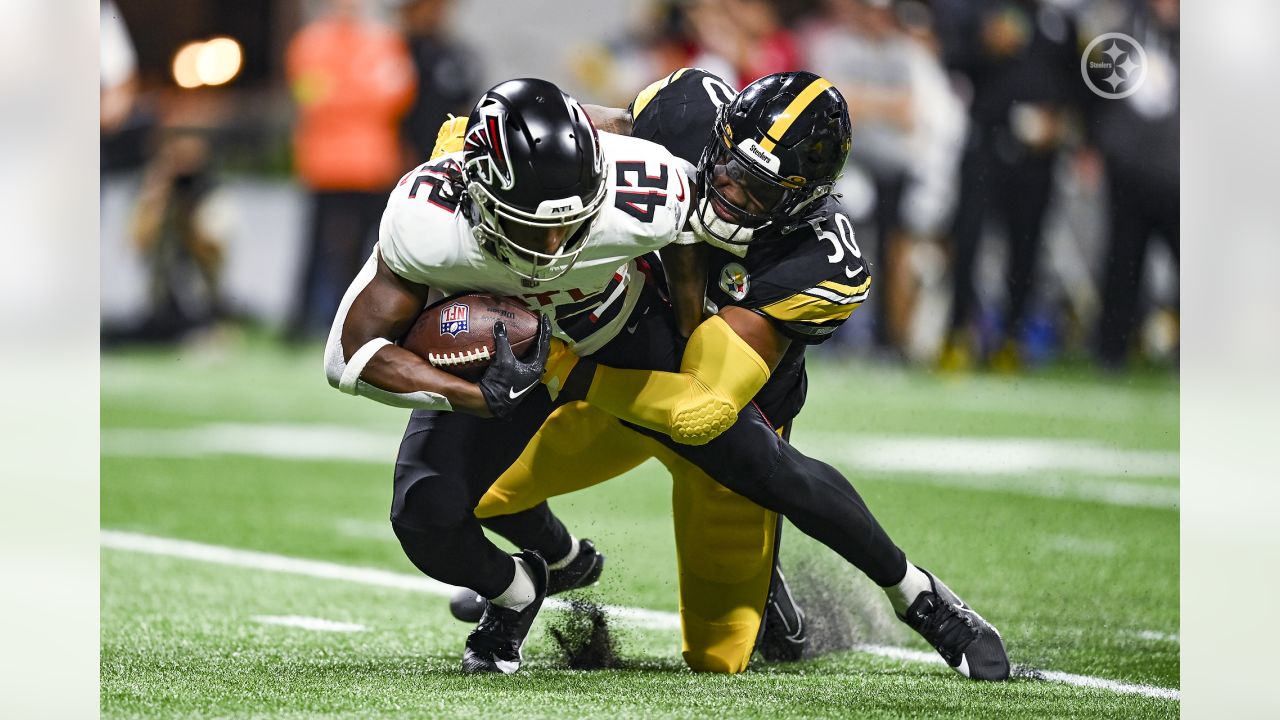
(734,281)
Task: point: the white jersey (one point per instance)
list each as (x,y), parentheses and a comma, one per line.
(424,239)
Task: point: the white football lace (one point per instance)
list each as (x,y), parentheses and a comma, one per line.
(458,358)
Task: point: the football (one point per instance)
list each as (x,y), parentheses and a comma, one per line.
(456,333)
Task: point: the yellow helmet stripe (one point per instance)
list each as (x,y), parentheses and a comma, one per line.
(792,111)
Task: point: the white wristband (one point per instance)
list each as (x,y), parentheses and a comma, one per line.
(420,400)
(355,366)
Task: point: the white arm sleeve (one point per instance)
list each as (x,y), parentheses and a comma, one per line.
(346,376)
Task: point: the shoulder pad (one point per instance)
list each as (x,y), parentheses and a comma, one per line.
(684,80)
(679,111)
(419,228)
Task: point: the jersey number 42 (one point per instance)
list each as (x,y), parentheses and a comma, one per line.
(638,192)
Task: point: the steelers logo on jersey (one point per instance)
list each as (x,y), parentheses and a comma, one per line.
(734,280)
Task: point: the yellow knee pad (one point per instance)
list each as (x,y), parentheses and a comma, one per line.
(577,446)
(702,419)
(719,374)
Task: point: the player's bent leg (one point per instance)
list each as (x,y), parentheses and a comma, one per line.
(457,554)
(576,447)
(725,551)
(755,463)
(440,536)
(437,481)
(822,503)
(536,528)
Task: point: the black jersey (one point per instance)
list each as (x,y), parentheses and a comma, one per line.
(806,282)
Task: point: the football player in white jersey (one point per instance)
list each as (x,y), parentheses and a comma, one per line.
(538,206)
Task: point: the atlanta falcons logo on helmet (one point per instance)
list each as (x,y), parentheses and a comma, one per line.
(488,159)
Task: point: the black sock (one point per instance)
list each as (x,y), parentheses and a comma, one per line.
(534,529)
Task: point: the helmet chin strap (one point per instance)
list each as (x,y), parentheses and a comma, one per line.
(716,231)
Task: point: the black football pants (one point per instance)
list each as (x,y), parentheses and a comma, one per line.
(447,461)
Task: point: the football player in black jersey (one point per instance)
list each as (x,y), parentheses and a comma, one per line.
(784,272)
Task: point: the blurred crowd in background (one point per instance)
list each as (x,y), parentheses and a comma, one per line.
(1013,215)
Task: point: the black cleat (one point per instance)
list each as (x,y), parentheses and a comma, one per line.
(970,645)
(584,571)
(467,605)
(783,634)
(494,646)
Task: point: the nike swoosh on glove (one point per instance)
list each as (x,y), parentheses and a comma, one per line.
(508,379)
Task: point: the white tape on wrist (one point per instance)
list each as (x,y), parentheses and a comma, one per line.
(420,400)
(355,366)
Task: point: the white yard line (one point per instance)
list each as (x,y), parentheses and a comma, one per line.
(282,441)
(1068,469)
(1096,683)
(365,529)
(1051,486)
(1077,545)
(309,623)
(989,455)
(1086,681)
(1158,636)
(188,550)
(218,555)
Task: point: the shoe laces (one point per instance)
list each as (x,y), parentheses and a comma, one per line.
(496,629)
(946,626)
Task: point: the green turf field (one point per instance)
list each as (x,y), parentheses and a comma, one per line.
(1048,502)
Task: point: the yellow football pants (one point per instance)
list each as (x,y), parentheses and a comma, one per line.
(724,542)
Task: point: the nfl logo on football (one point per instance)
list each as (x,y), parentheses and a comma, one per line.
(453,319)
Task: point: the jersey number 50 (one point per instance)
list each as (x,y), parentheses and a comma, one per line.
(842,240)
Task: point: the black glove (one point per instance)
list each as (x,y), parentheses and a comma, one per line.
(508,380)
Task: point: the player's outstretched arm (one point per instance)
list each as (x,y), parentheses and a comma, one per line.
(728,359)
(362,358)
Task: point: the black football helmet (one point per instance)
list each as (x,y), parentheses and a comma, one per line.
(783,140)
(531,157)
